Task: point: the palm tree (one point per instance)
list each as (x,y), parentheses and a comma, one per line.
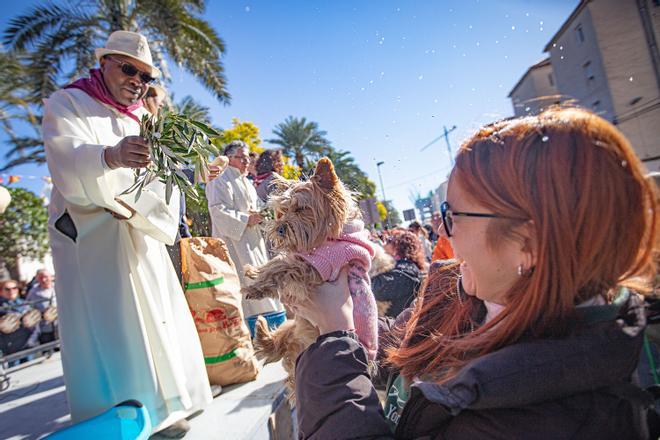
(301,140)
(17,107)
(51,37)
(54,36)
(193,109)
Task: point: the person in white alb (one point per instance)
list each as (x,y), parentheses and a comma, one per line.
(234,210)
(124,322)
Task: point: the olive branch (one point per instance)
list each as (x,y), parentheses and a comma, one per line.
(175,142)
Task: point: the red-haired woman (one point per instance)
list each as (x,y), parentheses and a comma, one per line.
(551,216)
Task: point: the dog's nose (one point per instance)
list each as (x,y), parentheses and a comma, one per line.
(281,230)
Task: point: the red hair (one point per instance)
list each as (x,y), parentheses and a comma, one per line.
(593,217)
(408,247)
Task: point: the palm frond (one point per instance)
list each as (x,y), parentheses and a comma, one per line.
(28,28)
(45,64)
(190,41)
(22,144)
(193,110)
(199,52)
(34,157)
(81,40)
(203,32)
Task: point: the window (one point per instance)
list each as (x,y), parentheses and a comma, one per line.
(579,34)
(588,72)
(551,80)
(635,100)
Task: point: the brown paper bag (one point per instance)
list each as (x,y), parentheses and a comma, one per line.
(213,292)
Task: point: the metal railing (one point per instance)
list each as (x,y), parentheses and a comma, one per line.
(6,307)
(41,351)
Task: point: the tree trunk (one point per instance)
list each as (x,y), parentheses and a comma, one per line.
(9,270)
(300,160)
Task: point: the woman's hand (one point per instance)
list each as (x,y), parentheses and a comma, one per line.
(330,308)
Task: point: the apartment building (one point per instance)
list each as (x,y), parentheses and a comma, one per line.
(535,90)
(605,57)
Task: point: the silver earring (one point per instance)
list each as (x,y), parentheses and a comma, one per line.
(520,270)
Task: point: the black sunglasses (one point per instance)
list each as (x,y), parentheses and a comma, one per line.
(448,216)
(130,70)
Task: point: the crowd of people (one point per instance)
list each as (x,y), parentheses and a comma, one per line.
(516,312)
(28,314)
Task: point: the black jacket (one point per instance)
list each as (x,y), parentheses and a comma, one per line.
(575,387)
(398,286)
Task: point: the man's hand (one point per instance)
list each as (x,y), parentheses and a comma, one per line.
(119,216)
(130,152)
(216,167)
(255,218)
(214,172)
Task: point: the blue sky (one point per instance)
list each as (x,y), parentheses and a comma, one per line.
(381,77)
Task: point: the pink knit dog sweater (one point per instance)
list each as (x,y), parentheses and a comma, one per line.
(352,248)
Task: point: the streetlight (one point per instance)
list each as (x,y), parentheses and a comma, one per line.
(382,188)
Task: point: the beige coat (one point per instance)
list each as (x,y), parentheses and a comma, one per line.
(231,197)
(125,326)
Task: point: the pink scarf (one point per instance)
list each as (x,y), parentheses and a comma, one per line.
(96,88)
(353,248)
(261,177)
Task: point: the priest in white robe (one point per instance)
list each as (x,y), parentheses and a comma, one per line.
(126,329)
(234,210)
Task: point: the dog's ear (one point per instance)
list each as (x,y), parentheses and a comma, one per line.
(324,175)
(280,184)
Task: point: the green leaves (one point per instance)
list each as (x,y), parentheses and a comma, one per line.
(23,227)
(177,143)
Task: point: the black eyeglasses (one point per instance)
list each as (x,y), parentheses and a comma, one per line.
(448,216)
(130,70)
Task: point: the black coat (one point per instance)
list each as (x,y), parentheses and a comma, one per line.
(575,387)
(397,286)
(17,340)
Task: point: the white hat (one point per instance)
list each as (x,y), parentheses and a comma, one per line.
(130,44)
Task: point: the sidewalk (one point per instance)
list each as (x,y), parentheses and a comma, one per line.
(35,405)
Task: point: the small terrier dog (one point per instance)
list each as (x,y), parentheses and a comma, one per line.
(316,231)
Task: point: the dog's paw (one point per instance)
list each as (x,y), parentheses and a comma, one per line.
(250,271)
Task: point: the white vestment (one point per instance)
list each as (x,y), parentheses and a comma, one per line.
(126,329)
(231,197)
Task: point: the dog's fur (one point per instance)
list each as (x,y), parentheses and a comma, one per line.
(306,215)
(381,263)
